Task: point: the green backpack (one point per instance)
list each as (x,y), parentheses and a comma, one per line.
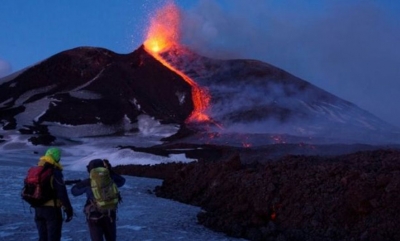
(105,191)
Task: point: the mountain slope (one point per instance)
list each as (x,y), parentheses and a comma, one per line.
(99,92)
(249,96)
(86,86)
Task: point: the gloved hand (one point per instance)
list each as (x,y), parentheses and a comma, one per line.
(107,164)
(70,213)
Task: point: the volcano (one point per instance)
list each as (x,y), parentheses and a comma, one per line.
(90,91)
(93,88)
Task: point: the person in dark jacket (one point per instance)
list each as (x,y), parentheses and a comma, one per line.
(48,217)
(100,224)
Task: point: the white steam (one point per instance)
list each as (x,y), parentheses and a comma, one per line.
(348,48)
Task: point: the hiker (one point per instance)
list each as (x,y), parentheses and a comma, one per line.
(101,220)
(48,216)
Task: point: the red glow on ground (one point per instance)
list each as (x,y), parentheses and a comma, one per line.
(246,145)
(278,139)
(162,34)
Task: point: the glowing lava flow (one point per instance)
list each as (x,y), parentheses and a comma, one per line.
(162,34)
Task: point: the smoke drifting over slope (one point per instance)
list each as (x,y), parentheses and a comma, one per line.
(249,96)
(344,48)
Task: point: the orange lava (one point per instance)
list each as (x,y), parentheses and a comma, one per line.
(164,33)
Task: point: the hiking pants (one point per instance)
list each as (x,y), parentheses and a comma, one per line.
(104,227)
(49,223)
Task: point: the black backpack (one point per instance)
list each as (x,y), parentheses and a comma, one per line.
(37,188)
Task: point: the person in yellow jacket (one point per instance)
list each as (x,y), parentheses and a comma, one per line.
(48,217)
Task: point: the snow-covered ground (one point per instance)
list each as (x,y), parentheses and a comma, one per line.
(141,216)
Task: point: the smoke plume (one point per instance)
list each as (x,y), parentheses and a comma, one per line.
(345,47)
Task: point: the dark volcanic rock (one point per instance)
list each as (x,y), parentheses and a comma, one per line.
(349,197)
(93,86)
(99,93)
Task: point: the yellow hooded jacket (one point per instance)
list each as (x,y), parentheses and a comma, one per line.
(42,161)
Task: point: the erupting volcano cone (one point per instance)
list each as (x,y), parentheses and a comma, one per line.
(162,35)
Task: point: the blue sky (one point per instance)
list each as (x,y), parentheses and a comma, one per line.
(347,47)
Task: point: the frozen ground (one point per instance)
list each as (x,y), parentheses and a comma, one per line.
(141,216)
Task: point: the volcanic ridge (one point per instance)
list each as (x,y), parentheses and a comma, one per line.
(98,92)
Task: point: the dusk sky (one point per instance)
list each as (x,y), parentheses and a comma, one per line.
(349,48)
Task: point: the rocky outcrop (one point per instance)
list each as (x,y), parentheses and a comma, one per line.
(348,197)
(94,88)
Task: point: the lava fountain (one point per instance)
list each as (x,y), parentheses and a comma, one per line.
(162,35)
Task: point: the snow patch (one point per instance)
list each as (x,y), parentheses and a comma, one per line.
(32,112)
(181,97)
(148,126)
(24,97)
(5,103)
(136,103)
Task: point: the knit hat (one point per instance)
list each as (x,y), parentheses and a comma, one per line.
(54,153)
(94,164)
